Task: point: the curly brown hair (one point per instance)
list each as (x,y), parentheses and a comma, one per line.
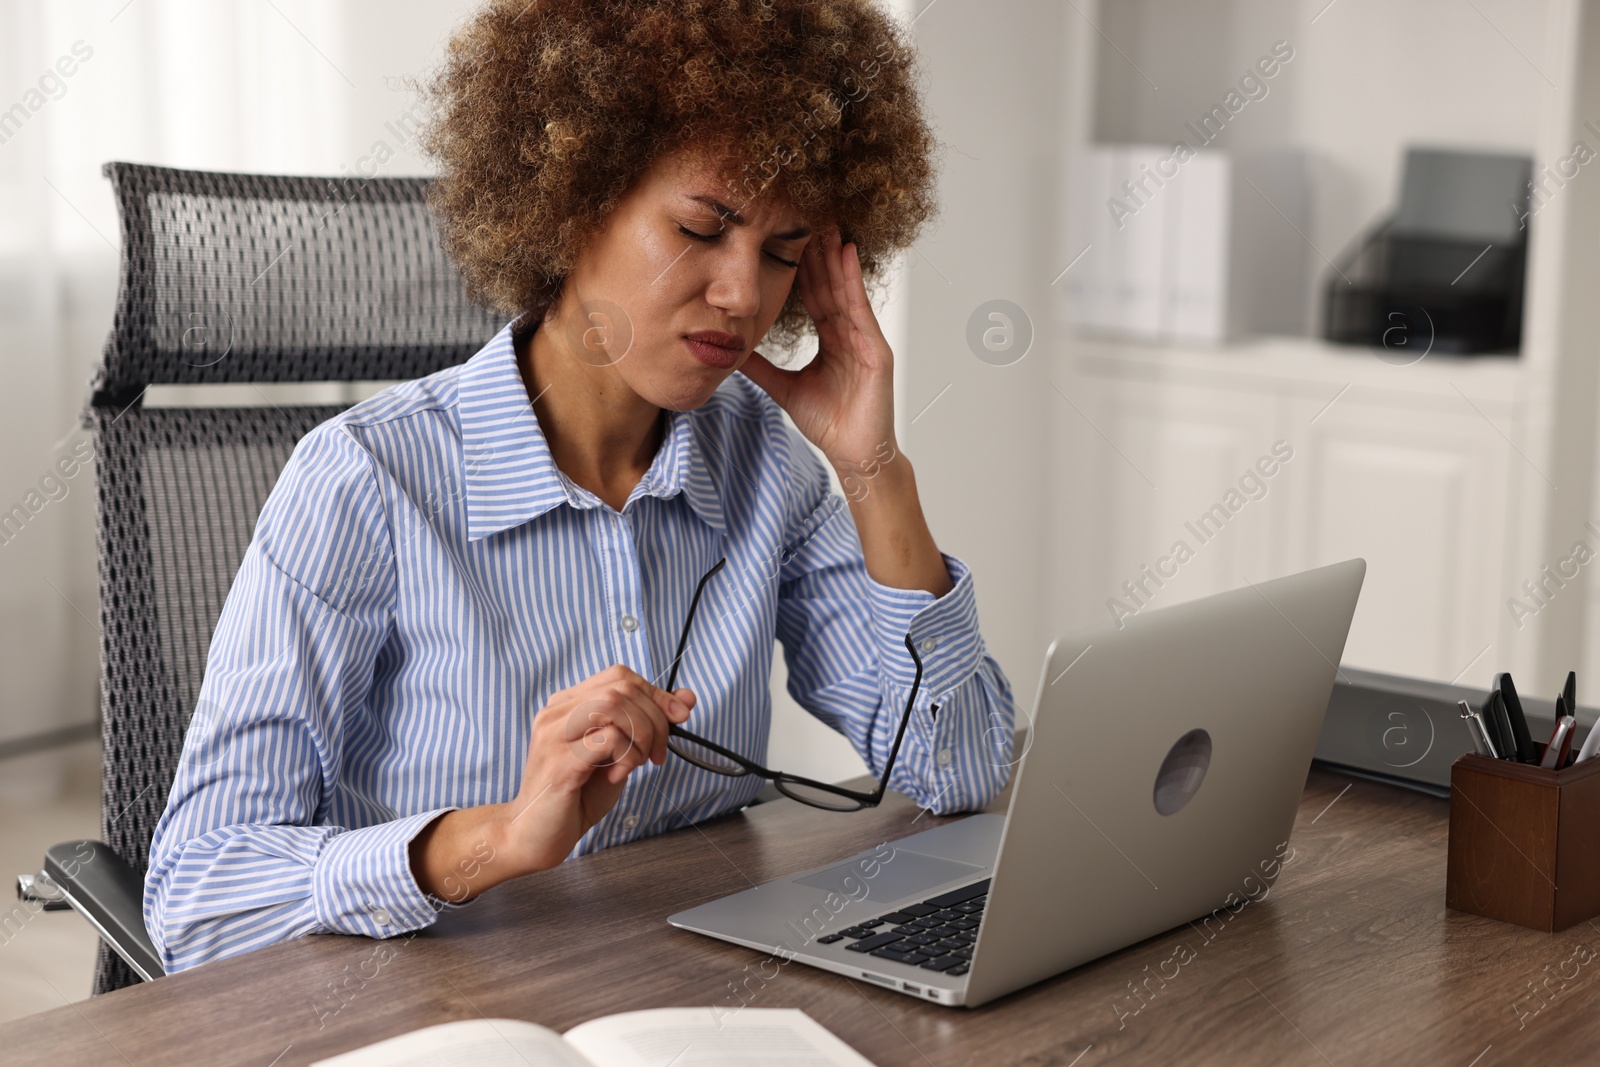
(544,114)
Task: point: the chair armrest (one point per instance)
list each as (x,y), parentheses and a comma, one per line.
(104,889)
(39,889)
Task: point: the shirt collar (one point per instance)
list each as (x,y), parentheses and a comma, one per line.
(510,475)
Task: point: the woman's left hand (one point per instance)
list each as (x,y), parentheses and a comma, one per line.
(843,400)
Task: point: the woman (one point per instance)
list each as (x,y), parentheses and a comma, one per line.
(443,663)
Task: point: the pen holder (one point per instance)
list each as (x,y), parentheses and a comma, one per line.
(1524,841)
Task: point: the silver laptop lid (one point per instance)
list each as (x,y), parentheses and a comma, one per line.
(1209,709)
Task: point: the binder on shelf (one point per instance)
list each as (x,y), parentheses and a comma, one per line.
(1088,279)
(1195,251)
(1139,254)
(1196,297)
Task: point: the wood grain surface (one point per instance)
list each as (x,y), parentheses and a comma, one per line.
(1352,958)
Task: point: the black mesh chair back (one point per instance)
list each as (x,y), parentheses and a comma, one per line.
(230,278)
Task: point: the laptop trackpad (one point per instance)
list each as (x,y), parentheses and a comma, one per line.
(903,874)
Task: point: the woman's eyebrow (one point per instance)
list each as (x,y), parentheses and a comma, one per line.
(737,219)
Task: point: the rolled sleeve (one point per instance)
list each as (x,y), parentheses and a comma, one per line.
(363,883)
(943,629)
(844,637)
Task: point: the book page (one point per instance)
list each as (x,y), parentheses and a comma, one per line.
(466,1043)
(700,1037)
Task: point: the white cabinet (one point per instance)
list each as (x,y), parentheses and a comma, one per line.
(1183,525)
(1422,496)
(1240,465)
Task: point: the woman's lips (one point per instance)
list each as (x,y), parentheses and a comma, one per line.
(714,355)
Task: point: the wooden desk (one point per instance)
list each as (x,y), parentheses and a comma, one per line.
(1351,959)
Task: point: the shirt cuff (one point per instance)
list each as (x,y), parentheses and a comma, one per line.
(363,883)
(944,630)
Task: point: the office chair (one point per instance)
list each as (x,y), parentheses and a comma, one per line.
(225,278)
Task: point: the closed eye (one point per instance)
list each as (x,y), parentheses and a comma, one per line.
(710,237)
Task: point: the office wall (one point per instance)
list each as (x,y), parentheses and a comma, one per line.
(297,86)
(978,431)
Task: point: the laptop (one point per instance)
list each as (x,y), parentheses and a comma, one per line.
(1160,780)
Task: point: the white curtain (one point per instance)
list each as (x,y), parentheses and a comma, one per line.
(277,86)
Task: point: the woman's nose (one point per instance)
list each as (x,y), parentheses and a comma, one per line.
(735,284)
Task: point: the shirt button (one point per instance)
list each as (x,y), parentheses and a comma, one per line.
(630,822)
(928,645)
(629,623)
(944,757)
(381,917)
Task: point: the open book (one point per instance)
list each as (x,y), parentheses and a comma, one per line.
(681,1037)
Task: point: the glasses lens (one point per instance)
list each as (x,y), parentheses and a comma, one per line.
(819,798)
(701,756)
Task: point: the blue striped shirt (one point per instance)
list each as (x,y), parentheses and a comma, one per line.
(422,578)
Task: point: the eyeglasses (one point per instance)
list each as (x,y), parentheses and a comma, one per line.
(711,756)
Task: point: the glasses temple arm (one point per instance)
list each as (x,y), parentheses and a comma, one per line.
(905,719)
(683,638)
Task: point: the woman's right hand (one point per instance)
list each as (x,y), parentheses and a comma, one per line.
(586,741)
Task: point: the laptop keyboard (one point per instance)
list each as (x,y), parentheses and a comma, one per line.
(936,935)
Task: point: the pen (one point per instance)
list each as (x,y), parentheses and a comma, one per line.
(1560,739)
(1480,740)
(1525,752)
(1590,744)
(1499,722)
(1564,710)
(1570,692)
(1488,734)
(1565,759)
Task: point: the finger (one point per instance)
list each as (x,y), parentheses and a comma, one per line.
(617,773)
(854,284)
(822,291)
(834,328)
(605,728)
(649,719)
(620,708)
(814,281)
(630,755)
(620,699)
(656,707)
(598,740)
(835,261)
(687,699)
(673,707)
(653,712)
(861,313)
(774,381)
(589,728)
(619,673)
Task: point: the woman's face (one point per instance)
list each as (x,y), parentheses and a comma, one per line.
(680,255)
